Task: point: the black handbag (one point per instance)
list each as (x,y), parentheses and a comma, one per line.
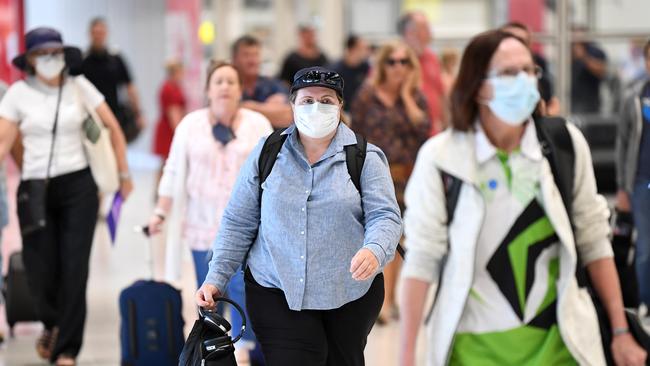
(31,200)
(128,122)
(208,343)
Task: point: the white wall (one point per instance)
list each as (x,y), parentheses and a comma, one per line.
(136,28)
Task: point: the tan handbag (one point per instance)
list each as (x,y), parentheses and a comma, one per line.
(99,148)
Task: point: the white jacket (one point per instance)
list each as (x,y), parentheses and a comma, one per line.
(427,237)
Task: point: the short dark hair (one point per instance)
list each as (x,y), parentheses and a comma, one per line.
(351,41)
(646,48)
(404,21)
(96,21)
(516,24)
(473,68)
(245,40)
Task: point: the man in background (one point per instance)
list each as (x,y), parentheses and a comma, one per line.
(353,67)
(588,70)
(263,94)
(633,173)
(414,29)
(109,73)
(307,54)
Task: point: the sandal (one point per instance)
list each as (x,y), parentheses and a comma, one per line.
(65,360)
(45,343)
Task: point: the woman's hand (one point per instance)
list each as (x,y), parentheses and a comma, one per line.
(126,187)
(623,201)
(408,85)
(626,352)
(364,264)
(205,296)
(155,224)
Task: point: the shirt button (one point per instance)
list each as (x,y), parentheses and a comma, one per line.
(307,191)
(302,257)
(301,280)
(303,209)
(302,233)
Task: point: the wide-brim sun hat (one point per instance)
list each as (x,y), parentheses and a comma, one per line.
(318,76)
(41,38)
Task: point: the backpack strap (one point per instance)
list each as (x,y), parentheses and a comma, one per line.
(269,154)
(557,147)
(355,156)
(452,187)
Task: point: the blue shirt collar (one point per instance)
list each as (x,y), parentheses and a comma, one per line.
(344,136)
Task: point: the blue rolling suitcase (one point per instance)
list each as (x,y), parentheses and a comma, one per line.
(151,331)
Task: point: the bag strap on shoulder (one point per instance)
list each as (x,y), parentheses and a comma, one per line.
(355,157)
(269,154)
(557,147)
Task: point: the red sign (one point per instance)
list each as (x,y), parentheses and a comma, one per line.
(12,27)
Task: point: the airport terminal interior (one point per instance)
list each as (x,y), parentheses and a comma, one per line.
(154,38)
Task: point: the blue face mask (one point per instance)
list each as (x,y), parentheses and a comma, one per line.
(514,97)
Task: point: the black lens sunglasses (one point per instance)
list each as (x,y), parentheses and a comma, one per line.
(395,61)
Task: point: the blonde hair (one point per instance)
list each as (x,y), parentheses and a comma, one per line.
(383,54)
(172,66)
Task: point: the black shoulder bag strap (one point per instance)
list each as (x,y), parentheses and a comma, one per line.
(54,128)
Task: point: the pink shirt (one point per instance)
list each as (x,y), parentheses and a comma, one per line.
(211,171)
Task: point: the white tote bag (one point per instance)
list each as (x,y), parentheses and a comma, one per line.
(99,149)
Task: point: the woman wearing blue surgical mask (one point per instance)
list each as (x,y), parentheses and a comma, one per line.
(48,109)
(314,244)
(209,147)
(490,221)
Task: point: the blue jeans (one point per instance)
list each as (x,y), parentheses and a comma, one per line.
(235,292)
(641,214)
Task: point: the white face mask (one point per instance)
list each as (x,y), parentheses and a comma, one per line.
(49,66)
(316,120)
(514,97)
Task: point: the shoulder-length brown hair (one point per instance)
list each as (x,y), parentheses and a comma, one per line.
(473,69)
(379,76)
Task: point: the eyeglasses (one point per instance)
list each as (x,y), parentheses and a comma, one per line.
(331,78)
(533,70)
(395,61)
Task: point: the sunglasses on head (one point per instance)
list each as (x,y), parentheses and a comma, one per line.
(331,78)
(395,61)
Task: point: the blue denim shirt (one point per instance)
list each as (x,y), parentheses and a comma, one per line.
(311,223)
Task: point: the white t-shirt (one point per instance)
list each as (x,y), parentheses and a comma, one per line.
(32,105)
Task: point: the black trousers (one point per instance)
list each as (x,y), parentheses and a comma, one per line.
(56,258)
(311,337)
